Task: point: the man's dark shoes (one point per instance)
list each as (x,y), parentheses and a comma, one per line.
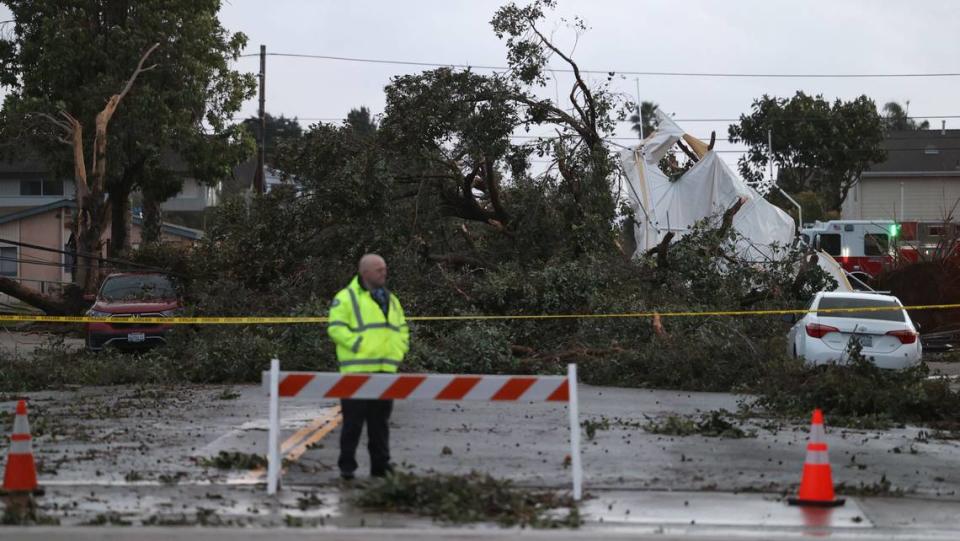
(347,475)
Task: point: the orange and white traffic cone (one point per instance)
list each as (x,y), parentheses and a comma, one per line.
(20,475)
(816,485)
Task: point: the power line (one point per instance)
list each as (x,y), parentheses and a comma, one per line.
(614,71)
(794,118)
(47,263)
(84,255)
(745,150)
(826,149)
(704,139)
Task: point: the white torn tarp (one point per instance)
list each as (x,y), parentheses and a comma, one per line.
(708,189)
(830,266)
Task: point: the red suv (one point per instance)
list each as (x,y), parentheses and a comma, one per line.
(123,298)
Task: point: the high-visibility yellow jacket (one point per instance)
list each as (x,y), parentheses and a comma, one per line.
(366,340)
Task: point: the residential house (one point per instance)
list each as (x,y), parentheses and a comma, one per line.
(243,177)
(36,208)
(50,226)
(28,183)
(918,182)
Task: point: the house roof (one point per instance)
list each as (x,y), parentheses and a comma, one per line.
(173,229)
(245,171)
(170,229)
(923,151)
(40,209)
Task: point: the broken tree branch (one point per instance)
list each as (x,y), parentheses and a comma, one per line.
(727,222)
(493,189)
(452,284)
(591,116)
(50,305)
(658,326)
(661,250)
(690,154)
(99,165)
(67,129)
(560,115)
(140,69)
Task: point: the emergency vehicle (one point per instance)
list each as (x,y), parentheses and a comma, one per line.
(861,247)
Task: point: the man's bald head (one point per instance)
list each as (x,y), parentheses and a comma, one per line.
(373,271)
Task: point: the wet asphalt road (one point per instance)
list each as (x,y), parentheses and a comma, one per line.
(130,436)
(417,534)
(135,455)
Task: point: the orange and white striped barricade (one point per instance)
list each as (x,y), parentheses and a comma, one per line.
(329,385)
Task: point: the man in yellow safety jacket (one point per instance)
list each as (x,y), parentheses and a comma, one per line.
(371,335)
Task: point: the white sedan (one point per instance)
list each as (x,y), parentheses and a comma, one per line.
(889,338)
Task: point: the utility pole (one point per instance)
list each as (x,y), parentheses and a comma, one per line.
(259,174)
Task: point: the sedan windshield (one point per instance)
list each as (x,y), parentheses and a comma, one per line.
(138,288)
(890,314)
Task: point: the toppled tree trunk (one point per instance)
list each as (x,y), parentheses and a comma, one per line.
(51,305)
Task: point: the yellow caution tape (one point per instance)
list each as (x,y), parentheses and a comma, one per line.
(322,319)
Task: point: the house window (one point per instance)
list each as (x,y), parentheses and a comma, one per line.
(31,187)
(40,187)
(876,244)
(52,187)
(8,262)
(830,243)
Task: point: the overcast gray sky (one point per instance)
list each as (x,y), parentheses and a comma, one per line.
(733,36)
(745,36)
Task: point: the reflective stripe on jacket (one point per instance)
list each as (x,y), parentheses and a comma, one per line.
(367,341)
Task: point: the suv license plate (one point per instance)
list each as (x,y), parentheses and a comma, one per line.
(136,337)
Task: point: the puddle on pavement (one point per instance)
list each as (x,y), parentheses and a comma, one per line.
(716,509)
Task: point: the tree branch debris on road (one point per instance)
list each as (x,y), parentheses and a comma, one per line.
(469,498)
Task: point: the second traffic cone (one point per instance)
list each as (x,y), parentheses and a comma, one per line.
(20,475)
(816,485)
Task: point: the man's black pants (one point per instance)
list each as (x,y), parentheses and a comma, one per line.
(376,414)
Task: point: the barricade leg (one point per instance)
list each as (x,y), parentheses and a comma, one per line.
(574,409)
(273,434)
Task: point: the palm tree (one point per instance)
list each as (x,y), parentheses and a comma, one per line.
(648,111)
(896,118)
